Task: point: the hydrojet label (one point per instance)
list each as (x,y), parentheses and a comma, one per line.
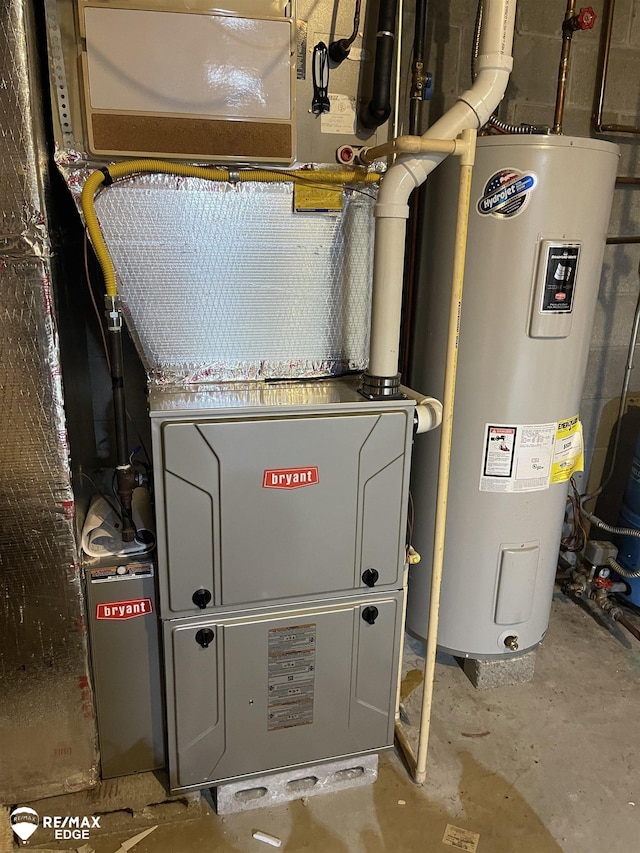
(506,193)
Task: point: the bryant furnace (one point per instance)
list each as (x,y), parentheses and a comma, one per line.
(281,513)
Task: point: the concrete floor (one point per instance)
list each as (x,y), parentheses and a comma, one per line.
(553,765)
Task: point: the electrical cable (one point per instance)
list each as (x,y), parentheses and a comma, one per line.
(577,539)
(104,496)
(339,50)
(93,298)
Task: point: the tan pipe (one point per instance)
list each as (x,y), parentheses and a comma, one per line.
(460,250)
(407,145)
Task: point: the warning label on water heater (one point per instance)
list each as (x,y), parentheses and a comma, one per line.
(517,457)
(568,455)
(530,457)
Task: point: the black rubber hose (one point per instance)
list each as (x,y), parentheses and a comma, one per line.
(378,109)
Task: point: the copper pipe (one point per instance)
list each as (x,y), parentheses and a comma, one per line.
(628,625)
(607,31)
(619,241)
(628,179)
(563,70)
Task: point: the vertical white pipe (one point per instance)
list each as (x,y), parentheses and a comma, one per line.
(472,110)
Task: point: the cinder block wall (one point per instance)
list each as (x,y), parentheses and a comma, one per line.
(530,98)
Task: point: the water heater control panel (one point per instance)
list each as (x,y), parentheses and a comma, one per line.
(554,289)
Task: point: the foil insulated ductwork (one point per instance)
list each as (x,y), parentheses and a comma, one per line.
(225,282)
(47,730)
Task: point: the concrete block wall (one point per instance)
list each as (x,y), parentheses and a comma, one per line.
(530,98)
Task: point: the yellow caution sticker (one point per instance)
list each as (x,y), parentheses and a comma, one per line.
(312,198)
(568,452)
(461,839)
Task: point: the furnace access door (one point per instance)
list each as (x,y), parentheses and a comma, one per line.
(279,502)
(256,692)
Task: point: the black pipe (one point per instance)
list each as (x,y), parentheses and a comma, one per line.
(378,110)
(117,386)
(418,76)
(125,475)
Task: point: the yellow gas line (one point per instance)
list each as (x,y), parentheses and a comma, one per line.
(128,168)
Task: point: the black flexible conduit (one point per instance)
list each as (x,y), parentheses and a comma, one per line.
(378,110)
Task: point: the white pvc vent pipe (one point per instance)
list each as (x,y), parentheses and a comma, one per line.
(471,111)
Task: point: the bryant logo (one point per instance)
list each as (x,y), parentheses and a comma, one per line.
(289,478)
(124,609)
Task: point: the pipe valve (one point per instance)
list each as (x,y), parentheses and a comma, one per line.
(585,19)
(511,643)
(113,313)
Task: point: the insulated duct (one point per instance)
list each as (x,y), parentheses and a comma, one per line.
(47,736)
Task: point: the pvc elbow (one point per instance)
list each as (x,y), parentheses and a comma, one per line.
(428,411)
(428,415)
(489,88)
(399,182)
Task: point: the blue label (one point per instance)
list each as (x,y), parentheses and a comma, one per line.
(506,193)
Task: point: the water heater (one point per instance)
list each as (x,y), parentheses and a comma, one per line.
(539,213)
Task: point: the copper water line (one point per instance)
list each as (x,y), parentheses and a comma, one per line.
(604,70)
(567,34)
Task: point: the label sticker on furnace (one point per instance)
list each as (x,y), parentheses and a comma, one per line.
(506,193)
(517,457)
(292,665)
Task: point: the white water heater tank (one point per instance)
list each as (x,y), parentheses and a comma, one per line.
(540,209)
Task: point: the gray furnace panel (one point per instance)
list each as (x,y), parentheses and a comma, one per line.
(125,653)
(274,508)
(249,693)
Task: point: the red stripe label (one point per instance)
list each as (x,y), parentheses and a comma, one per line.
(290,478)
(124,609)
